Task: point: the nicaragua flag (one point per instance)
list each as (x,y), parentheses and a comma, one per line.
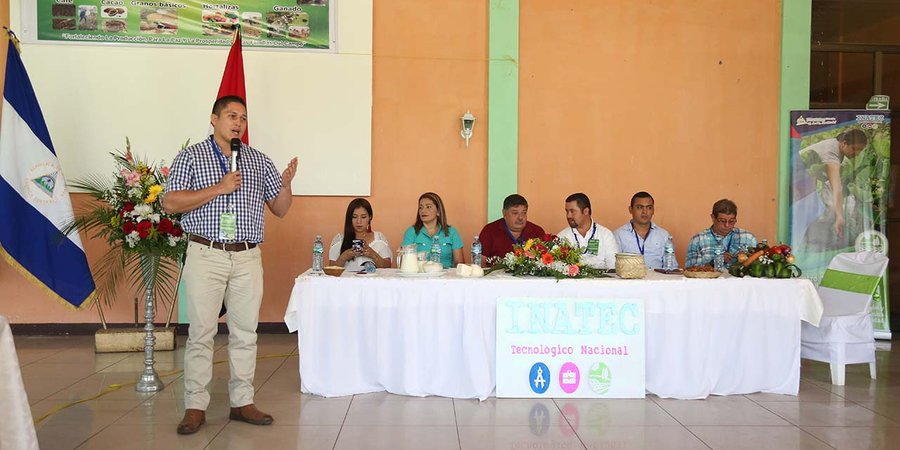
(34,202)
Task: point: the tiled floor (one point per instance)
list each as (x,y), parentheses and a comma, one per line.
(864,414)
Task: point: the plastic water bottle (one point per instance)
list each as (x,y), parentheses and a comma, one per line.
(669,262)
(318,255)
(719,259)
(435,250)
(476,251)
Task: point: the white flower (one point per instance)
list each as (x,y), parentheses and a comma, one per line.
(132,238)
(154,217)
(142,211)
(136,192)
(559,266)
(173,241)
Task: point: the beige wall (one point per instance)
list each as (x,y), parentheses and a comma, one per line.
(677,97)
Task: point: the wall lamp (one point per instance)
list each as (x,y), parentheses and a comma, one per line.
(468,122)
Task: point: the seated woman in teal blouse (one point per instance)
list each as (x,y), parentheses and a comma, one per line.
(432,221)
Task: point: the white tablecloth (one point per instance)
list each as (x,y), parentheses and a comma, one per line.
(16,426)
(436,336)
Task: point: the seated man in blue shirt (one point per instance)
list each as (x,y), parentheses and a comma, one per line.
(640,234)
(702,248)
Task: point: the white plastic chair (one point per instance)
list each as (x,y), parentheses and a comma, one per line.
(844,335)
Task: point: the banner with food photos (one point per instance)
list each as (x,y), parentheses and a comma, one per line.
(288,24)
(570,348)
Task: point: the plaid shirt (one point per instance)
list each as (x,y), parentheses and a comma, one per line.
(702,248)
(203,165)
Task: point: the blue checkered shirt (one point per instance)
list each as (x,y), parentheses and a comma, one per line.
(202,165)
(702,248)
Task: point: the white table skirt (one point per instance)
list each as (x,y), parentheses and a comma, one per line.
(16,426)
(436,336)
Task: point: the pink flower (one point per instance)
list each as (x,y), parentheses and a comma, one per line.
(573,270)
(165,171)
(133,179)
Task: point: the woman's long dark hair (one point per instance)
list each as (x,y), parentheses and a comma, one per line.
(442,215)
(349,232)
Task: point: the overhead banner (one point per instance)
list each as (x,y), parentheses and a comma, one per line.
(840,174)
(570,348)
(291,24)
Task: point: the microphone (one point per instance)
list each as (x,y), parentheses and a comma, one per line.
(235,153)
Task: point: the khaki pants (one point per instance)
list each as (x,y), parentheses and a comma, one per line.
(211,276)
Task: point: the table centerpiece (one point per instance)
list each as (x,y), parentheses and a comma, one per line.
(549,256)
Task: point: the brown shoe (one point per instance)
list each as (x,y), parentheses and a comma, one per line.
(192,420)
(249,414)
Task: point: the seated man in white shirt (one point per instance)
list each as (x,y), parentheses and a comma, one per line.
(640,234)
(597,241)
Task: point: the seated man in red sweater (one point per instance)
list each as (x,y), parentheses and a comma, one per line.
(497,238)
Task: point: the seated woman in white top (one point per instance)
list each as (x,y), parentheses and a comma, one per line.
(371,245)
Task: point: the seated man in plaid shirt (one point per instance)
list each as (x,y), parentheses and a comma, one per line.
(223,201)
(702,248)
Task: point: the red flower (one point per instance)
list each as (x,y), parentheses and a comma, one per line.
(143,228)
(128,227)
(548,237)
(128,207)
(573,270)
(547,258)
(177,231)
(518,252)
(165,226)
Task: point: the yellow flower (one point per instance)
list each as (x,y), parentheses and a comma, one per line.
(529,243)
(155,190)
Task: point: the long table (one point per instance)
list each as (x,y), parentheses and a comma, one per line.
(436,336)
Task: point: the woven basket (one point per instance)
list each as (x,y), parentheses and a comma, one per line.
(630,265)
(690,274)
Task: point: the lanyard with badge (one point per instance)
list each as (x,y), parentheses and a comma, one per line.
(520,240)
(593,245)
(638,240)
(726,246)
(228,219)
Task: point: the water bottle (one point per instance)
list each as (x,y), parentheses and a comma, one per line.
(719,259)
(669,262)
(476,251)
(436,250)
(318,255)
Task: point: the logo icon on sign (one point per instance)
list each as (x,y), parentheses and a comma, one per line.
(569,377)
(539,378)
(599,378)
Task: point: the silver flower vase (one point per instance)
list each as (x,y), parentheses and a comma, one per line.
(149,381)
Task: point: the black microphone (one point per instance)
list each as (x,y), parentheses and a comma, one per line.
(235,153)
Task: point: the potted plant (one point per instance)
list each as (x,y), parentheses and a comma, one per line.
(146,245)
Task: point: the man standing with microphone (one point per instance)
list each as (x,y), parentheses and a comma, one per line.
(224,215)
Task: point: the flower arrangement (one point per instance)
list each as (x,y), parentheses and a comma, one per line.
(763,261)
(547,257)
(146,244)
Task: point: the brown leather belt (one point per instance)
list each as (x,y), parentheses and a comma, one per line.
(234,247)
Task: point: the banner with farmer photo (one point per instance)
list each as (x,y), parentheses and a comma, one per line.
(840,164)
